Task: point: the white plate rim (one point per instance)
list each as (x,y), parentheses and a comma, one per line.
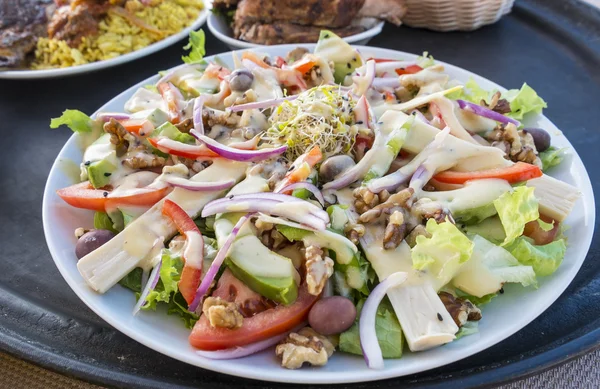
(107,63)
(232,42)
(316,375)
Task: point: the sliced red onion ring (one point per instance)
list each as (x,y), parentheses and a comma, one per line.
(150,285)
(197,186)
(389,82)
(261,104)
(197,116)
(106,116)
(309,187)
(486,112)
(420,178)
(368,336)
(236,154)
(166,145)
(216,264)
(239,352)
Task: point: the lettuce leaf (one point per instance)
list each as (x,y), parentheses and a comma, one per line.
(178,306)
(516,209)
(387,327)
(170,273)
(544,259)
(443,253)
(426,60)
(76,120)
(551,157)
(196,47)
(103,222)
(133,280)
(469,328)
(478,301)
(523,101)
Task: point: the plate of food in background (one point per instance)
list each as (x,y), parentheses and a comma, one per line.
(46,38)
(251,23)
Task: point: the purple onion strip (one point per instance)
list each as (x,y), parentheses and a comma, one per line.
(237,154)
(150,285)
(197,117)
(486,112)
(261,104)
(106,116)
(368,336)
(309,187)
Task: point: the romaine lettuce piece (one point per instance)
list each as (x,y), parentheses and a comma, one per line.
(516,209)
(196,47)
(523,101)
(443,254)
(489,268)
(551,157)
(170,273)
(544,259)
(387,327)
(76,120)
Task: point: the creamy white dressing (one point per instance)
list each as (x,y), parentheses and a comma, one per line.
(446,108)
(144,99)
(254,118)
(266,85)
(193,251)
(473,195)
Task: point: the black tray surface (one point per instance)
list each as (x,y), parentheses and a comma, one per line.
(553,45)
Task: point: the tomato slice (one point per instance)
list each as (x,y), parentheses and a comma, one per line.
(412,69)
(84,196)
(260,326)
(190,275)
(518,172)
(184,150)
(169,95)
(535,232)
(304,65)
(301,167)
(142,127)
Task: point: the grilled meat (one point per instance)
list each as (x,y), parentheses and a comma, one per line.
(281,32)
(325,13)
(21,23)
(80,19)
(390,10)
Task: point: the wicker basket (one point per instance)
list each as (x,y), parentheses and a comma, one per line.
(449,15)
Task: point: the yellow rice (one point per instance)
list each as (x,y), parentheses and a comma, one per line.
(117,36)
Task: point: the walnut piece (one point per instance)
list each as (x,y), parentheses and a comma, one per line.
(518,145)
(395,231)
(419,230)
(460,309)
(318,269)
(305,346)
(222,313)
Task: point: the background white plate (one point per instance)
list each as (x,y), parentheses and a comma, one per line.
(223,32)
(503,317)
(90,67)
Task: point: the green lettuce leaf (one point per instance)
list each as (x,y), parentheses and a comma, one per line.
(478,301)
(178,306)
(523,101)
(170,273)
(387,327)
(516,209)
(544,259)
(426,60)
(474,93)
(196,45)
(551,157)
(443,253)
(76,120)
(338,217)
(133,280)
(103,222)
(545,226)
(469,328)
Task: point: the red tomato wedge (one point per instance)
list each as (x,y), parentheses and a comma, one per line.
(301,168)
(142,127)
(412,69)
(518,172)
(169,95)
(535,232)
(190,276)
(84,196)
(304,65)
(185,151)
(260,326)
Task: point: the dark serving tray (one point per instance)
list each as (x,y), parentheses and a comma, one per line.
(553,45)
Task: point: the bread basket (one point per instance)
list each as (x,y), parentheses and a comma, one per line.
(450,15)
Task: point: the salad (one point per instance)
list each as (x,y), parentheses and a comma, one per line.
(322,202)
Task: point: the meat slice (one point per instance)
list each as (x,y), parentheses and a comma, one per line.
(72,23)
(390,10)
(21,23)
(281,32)
(325,13)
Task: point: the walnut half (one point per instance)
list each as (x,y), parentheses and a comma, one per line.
(305,346)
(461,310)
(318,269)
(222,313)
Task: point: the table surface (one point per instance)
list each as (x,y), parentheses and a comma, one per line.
(581,373)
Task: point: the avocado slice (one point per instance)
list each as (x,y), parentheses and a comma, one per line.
(100,161)
(333,48)
(170,131)
(157,117)
(264,271)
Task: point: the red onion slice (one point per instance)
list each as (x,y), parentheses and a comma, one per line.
(239,352)
(197,114)
(236,154)
(368,336)
(486,112)
(216,264)
(106,116)
(261,104)
(196,186)
(309,187)
(150,285)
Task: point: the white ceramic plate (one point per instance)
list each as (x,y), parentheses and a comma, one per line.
(503,317)
(90,67)
(222,31)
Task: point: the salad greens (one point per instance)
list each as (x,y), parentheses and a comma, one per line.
(516,209)
(76,120)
